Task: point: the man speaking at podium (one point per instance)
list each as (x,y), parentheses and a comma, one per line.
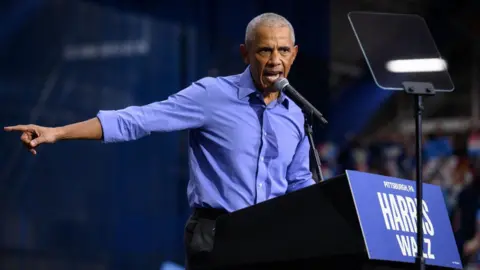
(247,142)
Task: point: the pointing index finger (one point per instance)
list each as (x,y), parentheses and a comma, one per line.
(16,128)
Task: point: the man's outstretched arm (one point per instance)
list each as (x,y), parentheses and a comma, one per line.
(87,130)
(34,135)
(183,110)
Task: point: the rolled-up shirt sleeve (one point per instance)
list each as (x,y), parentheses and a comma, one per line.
(186,109)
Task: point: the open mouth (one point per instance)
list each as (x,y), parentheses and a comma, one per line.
(272,76)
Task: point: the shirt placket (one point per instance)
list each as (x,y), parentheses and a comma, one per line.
(262,167)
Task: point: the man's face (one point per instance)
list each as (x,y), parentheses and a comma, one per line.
(270,55)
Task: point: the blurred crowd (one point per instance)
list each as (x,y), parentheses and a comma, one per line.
(451,161)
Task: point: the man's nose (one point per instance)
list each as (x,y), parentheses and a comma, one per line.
(275,58)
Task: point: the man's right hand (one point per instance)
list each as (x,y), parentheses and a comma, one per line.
(33,135)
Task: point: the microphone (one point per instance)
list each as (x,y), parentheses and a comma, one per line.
(284,85)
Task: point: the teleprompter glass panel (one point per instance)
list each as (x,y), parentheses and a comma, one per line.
(400,48)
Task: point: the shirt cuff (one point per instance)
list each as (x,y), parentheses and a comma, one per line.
(301,184)
(108,121)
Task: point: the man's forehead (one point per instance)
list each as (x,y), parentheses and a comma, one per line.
(265,30)
(267,34)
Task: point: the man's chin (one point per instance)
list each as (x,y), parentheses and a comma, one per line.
(268,84)
(270,89)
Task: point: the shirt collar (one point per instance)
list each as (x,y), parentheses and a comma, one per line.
(247,87)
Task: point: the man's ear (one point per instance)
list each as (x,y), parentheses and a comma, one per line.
(244,53)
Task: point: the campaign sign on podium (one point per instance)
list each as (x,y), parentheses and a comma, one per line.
(386,208)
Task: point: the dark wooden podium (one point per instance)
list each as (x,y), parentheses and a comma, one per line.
(313,228)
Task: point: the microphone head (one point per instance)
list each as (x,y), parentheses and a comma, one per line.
(280,84)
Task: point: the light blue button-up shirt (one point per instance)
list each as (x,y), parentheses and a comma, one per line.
(241,151)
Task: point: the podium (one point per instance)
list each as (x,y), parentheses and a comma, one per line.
(354,221)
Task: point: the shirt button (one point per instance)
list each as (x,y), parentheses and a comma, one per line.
(261,158)
(265,133)
(260,185)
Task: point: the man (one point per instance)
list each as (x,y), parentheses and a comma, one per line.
(247,141)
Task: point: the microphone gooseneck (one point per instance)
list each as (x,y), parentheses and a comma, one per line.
(284,86)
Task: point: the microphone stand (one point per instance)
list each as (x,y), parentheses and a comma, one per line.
(418,90)
(309,131)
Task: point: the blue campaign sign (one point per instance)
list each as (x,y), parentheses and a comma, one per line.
(386,207)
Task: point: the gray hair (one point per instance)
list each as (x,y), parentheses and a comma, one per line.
(269,20)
